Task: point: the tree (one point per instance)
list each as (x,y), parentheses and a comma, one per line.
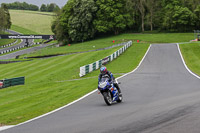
(151,6)
(5,22)
(33,7)
(60,25)
(81,21)
(75,21)
(50,7)
(112,16)
(197,17)
(25,6)
(141,8)
(43,8)
(177,17)
(138,9)
(182,18)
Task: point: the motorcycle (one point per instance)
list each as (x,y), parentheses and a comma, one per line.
(109,91)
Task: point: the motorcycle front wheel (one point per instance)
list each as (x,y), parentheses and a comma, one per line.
(107,98)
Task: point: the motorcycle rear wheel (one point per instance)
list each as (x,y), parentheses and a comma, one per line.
(107,98)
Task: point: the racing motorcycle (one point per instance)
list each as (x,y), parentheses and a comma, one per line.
(109,91)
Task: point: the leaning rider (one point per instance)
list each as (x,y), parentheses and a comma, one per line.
(105,73)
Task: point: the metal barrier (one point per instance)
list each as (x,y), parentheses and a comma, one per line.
(96,65)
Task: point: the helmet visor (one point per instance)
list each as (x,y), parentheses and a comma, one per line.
(103,72)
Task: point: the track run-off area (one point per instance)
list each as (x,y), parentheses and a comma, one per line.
(160,96)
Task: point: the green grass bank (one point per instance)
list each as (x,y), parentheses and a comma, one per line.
(191,55)
(32,21)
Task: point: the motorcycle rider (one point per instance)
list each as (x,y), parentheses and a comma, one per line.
(105,73)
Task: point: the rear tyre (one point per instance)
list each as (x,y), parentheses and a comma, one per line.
(107,98)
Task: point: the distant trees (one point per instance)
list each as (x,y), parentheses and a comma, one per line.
(49,7)
(167,15)
(25,6)
(22,6)
(43,8)
(5,22)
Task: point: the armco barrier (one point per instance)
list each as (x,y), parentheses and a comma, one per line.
(7,45)
(96,65)
(13,82)
(17,48)
(13,49)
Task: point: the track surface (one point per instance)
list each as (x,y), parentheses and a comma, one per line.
(161,96)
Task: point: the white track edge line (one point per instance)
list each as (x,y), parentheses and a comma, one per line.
(185,63)
(79,98)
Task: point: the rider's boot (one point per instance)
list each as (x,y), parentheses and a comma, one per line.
(117,86)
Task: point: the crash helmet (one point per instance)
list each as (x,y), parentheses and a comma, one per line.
(103,70)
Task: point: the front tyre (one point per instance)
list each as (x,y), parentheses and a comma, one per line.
(107,98)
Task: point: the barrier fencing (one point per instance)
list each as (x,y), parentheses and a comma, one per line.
(12,82)
(8,45)
(96,65)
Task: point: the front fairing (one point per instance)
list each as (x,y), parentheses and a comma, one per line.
(104,85)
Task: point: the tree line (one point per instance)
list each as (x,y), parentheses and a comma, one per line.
(5,22)
(81,20)
(25,6)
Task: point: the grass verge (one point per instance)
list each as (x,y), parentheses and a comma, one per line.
(191,56)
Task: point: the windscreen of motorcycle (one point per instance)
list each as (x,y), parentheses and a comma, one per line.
(103,82)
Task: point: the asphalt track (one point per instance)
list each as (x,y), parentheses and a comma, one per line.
(161,96)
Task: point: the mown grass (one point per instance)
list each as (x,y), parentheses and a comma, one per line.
(22,30)
(47,86)
(32,21)
(158,37)
(191,54)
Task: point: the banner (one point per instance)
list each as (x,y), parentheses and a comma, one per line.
(105,60)
(46,37)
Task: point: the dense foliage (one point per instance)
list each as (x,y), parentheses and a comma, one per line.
(75,21)
(112,16)
(81,20)
(5,22)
